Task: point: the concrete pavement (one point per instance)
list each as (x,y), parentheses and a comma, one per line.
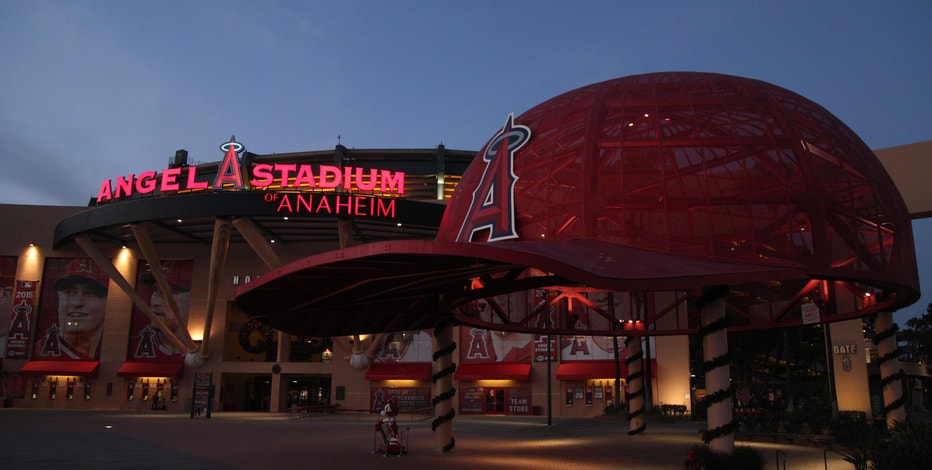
(120,439)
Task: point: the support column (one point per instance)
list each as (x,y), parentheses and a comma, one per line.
(278,394)
(635,395)
(220,243)
(443,390)
(849,365)
(345,232)
(283,352)
(253,236)
(716,365)
(671,352)
(152,257)
(890,373)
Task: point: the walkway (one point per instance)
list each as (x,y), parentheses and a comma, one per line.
(110,439)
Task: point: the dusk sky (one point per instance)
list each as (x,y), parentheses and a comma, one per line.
(93,90)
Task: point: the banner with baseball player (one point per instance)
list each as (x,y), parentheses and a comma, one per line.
(17,304)
(483,345)
(147,341)
(72,309)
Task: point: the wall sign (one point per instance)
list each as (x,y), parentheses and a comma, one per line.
(232,175)
(845,348)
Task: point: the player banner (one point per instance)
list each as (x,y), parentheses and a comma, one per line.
(147,342)
(72,308)
(23,306)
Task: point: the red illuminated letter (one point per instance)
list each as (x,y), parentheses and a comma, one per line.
(262,176)
(192,184)
(228,173)
(105,193)
(146,182)
(170,180)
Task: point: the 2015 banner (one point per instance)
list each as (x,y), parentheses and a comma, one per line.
(23,306)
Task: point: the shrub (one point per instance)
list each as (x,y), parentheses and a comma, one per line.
(905,446)
(815,418)
(791,421)
(853,432)
(614,410)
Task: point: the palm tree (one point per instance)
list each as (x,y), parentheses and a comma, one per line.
(918,338)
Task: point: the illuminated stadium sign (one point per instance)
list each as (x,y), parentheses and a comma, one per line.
(331,204)
(283,176)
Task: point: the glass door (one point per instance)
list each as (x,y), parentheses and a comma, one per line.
(495,401)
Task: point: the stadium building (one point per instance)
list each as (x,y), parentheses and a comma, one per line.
(584,244)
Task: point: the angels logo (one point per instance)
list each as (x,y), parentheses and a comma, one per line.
(478,345)
(579,345)
(229,171)
(53,342)
(395,347)
(19,327)
(147,342)
(493,201)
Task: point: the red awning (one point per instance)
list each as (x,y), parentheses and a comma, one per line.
(150,369)
(588,370)
(399,371)
(492,371)
(82,368)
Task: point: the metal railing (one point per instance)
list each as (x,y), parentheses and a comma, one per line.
(778,453)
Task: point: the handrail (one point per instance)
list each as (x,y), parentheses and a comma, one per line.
(778,459)
(825,456)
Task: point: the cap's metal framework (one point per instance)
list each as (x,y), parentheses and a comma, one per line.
(659,183)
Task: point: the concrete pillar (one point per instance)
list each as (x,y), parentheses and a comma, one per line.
(720,435)
(635,396)
(891,377)
(443,391)
(220,244)
(849,366)
(276,394)
(672,384)
(278,402)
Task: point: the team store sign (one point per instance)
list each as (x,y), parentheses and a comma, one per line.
(265,176)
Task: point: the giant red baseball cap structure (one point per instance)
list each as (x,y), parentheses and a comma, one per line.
(657,182)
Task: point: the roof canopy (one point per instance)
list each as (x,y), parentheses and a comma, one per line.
(660,182)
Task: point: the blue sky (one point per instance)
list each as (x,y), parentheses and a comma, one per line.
(92,90)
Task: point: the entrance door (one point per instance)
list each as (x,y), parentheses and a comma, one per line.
(308,390)
(258,393)
(495,401)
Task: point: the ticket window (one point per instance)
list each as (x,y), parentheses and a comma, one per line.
(495,401)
